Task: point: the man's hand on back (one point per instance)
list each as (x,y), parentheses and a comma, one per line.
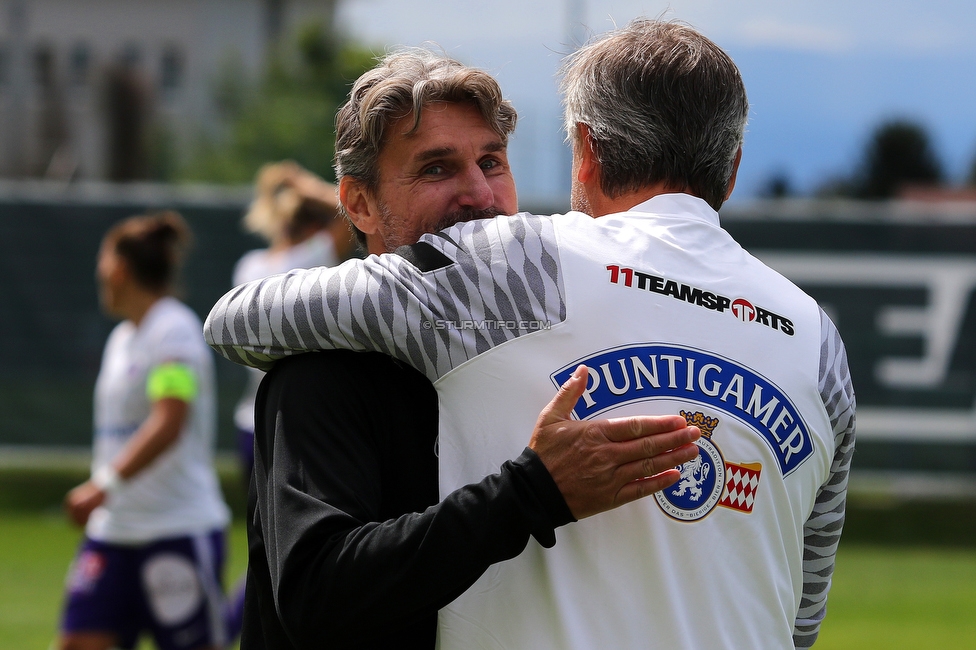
(599,465)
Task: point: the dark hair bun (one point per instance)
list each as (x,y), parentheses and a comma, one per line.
(153,246)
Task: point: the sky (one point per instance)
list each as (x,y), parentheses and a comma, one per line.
(820,76)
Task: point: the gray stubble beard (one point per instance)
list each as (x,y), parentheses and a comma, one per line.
(399,233)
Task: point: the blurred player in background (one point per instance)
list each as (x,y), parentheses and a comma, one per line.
(154,517)
(296,212)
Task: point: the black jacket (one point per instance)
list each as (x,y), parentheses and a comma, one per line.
(348,545)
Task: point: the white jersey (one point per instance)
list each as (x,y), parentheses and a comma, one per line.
(178,493)
(670,315)
(317,250)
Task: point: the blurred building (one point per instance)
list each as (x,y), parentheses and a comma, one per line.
(87,85)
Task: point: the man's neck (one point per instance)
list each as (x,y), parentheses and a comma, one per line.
(602,205)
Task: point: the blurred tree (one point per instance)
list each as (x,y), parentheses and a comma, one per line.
(289,113)
(898,153)
(777,186)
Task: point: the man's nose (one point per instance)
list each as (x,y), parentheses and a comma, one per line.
(474,191)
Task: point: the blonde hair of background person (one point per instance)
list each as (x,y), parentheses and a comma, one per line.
(297,213)
(292,204)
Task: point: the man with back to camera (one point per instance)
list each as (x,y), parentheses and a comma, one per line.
(347,546)
(668,313)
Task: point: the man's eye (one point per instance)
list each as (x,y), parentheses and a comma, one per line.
(489,164)
(433,170)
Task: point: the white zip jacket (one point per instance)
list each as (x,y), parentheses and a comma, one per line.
(670,315)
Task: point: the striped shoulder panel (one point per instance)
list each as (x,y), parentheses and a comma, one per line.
(504,283)
(434,305)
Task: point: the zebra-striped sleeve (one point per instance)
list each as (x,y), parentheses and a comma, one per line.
(500,281)
(823,529)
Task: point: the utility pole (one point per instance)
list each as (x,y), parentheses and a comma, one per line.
(18,66)
(575,23)
(575,35)
(274,18)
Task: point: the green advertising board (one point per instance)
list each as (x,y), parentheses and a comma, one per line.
(51,326)
(898,279)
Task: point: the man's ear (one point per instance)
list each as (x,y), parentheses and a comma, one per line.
(735,170)
(589,165)
(360,207)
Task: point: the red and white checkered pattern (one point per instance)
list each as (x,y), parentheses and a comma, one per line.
(741,484)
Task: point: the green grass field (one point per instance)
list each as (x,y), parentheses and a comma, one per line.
(35,550)
(37,544)
(895,598)
(905,578)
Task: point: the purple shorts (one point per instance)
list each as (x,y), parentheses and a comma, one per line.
(245,451)
(170,588)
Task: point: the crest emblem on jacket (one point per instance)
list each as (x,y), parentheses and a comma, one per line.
(708,480)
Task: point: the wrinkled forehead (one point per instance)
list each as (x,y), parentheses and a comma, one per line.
(408,121)
(444,129)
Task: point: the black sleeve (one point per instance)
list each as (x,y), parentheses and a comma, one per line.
(345,500)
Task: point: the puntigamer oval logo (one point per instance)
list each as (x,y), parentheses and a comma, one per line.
(655,371)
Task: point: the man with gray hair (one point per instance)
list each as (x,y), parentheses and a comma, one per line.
(349,546)
(668,313)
